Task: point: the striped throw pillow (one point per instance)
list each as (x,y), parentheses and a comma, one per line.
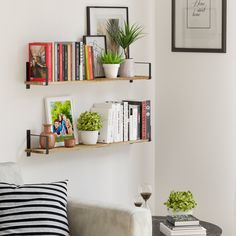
(34,209)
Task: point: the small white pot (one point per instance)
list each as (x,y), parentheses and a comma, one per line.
(111,70)
(127,68)
(88,137)
(177,213)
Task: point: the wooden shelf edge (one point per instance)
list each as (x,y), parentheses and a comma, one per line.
(90,81)
(83,147)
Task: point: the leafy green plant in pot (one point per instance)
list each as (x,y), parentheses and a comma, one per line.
(124,37)
(89,123)
(180,203)
(111,62)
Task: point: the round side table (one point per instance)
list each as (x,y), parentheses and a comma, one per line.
(212,230)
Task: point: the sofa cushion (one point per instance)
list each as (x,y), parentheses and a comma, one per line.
(10,173)
(34,209)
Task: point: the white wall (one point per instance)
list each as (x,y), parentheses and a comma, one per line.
(196,123)
(110,174)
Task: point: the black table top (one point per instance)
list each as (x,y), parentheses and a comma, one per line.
(212,230)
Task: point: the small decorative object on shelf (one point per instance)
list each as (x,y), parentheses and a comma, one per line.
(89,123)
(111,63)
(146,192)
(124,36)
(180,203)
(48,142)
(69,142)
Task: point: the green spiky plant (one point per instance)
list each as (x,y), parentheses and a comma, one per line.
(111,58)
(89,121)
(180,201)
(125,36)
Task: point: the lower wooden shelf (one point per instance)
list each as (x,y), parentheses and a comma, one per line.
(82,147)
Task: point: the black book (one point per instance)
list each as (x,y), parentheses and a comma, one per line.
(58,62)
(77,60)
(183,220)
(65,62)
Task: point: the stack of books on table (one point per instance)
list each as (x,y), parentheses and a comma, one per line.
(181,225)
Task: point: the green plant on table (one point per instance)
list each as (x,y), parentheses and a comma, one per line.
(89,121)
(111,58)
(125,36)
(180,201)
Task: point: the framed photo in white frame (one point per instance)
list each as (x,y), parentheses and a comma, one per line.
(60,114)
(199,26)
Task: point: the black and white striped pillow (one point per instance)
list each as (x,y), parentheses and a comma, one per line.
(34,209)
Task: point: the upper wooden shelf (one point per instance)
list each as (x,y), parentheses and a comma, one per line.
(80,147)
(90,81)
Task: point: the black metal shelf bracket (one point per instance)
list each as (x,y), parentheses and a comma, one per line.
(29,135)
(149,67)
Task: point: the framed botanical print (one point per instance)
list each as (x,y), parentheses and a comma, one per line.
(98,42)
(59,113)
(98,18)
(199,26)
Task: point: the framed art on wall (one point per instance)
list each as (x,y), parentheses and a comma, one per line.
(99,16)
(59,113)
(199,26)
(98,42)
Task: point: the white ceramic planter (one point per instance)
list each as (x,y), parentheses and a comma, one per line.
(127,68)
(177,213)
(111,70)
(88,137)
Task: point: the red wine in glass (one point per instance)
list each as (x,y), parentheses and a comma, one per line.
(146,195)
(146,192)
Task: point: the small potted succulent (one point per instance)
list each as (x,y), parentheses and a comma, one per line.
(111,63)
(89,123)
(124,37)
(180,203)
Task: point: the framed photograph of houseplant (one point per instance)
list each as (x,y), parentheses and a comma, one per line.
(98,42)
(199,26)
(59,113)
(98,18)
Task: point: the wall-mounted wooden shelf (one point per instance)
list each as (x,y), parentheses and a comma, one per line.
(29,83)
(80,147)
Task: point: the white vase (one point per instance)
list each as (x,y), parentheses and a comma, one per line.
(88,137)
(177,213)
(127,68)
(111,70)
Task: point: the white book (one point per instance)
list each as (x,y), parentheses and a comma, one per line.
(135,122)
(81,62)
(121,123)
(168,232)
(126,121)
(105,134)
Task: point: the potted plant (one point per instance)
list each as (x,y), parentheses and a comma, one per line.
(180,203)
(89,123)
(124,37)
(111,63)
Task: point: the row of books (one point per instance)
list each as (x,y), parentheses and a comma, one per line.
(181,225)
(124,121)
(60,61)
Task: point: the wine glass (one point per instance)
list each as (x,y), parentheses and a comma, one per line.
(146,192)
(138,200)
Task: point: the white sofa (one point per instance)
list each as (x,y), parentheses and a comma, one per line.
(90,219)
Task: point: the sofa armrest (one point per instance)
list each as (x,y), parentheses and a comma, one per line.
(106,220)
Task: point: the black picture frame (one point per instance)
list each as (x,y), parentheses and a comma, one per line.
(91,9)
(221,49)
(97,50)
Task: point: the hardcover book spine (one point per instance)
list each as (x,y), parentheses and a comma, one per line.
(61,61)
(126,121)
(144,120)
(121,123)
(87,63)
(73,60)
(69,65)
(77,59)
(65,62)
(55,62)
(138,122)
(130,123)
(90,62)
(148,120)
(82,62)
(49,61)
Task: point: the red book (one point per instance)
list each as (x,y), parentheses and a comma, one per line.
(90,62)
(144,123)
(40,59)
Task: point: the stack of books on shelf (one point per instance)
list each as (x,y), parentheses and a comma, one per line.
(60,61)
(181,225)
(124,121)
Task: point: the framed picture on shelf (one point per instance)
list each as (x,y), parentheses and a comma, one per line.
(199,26)
(98,42)
(59,113)
(99,17)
